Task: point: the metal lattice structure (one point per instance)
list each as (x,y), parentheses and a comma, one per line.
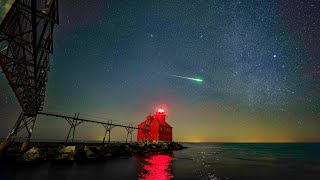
(76,120)
(26,42)
(130,129)
(73,124)
(108,128)
(22,122)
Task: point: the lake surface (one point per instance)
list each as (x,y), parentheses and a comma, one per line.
(199,161)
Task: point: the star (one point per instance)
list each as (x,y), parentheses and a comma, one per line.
(255,61)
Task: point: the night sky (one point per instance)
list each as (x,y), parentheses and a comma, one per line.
(259,61)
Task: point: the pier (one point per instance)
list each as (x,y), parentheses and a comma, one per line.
(26,43)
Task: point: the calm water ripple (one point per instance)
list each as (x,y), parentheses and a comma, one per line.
(199,161)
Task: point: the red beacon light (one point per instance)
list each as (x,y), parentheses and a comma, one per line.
(160,112)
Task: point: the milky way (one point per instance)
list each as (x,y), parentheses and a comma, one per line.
(259,59)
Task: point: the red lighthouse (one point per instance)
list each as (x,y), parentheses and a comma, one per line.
(156,128)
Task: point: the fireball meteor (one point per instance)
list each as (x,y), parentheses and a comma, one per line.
(193,79)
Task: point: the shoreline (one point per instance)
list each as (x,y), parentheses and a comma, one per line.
(65,153)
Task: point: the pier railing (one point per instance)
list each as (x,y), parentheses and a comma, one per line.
(75,121)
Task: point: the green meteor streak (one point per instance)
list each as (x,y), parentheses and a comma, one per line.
(193,79)
(199,80)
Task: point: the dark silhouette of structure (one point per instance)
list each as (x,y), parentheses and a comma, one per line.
(76,121)
(155,128)
(26,42)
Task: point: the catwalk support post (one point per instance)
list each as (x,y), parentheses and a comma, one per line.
(129,129)
(24,122)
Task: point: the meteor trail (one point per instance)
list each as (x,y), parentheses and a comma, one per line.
(193,79)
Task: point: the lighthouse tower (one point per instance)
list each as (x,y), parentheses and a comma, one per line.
(155,128)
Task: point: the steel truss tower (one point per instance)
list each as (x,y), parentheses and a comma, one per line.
(26,41)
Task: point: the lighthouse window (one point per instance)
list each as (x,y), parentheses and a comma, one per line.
(160,128)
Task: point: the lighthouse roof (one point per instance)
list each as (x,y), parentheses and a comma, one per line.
(163,123)
(155,120)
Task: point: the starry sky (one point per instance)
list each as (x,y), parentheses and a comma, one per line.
(114,59)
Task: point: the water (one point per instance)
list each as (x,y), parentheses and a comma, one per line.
(199,161)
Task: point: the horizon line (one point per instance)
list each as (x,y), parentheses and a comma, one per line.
(252,142)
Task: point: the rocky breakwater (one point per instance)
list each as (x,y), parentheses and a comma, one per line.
(83,152)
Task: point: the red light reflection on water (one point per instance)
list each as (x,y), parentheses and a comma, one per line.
(156,166)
